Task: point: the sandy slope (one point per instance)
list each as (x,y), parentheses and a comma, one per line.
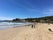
(40,32)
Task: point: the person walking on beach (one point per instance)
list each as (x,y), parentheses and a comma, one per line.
(33,25)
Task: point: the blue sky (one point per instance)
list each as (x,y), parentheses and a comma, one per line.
(10,9)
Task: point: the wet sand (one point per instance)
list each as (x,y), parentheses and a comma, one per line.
(40,32)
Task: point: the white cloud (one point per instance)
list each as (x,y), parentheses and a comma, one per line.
(5,18)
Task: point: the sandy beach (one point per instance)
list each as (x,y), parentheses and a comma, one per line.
(40,32)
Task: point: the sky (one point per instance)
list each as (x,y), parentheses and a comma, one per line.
(10,9)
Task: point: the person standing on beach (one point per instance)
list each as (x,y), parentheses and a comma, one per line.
(33,25)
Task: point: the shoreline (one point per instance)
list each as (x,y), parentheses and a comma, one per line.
(3,27)
(40,32)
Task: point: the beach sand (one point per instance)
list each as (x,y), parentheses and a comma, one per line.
(40,32)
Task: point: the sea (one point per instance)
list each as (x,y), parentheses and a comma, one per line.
(6,25)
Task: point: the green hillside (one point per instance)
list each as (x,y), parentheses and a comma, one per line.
(40,19)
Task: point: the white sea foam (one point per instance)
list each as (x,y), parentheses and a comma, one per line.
(4,25)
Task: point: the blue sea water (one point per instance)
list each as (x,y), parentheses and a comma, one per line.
(4,25)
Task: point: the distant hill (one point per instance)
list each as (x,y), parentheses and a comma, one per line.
(41,19)
(18,20)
